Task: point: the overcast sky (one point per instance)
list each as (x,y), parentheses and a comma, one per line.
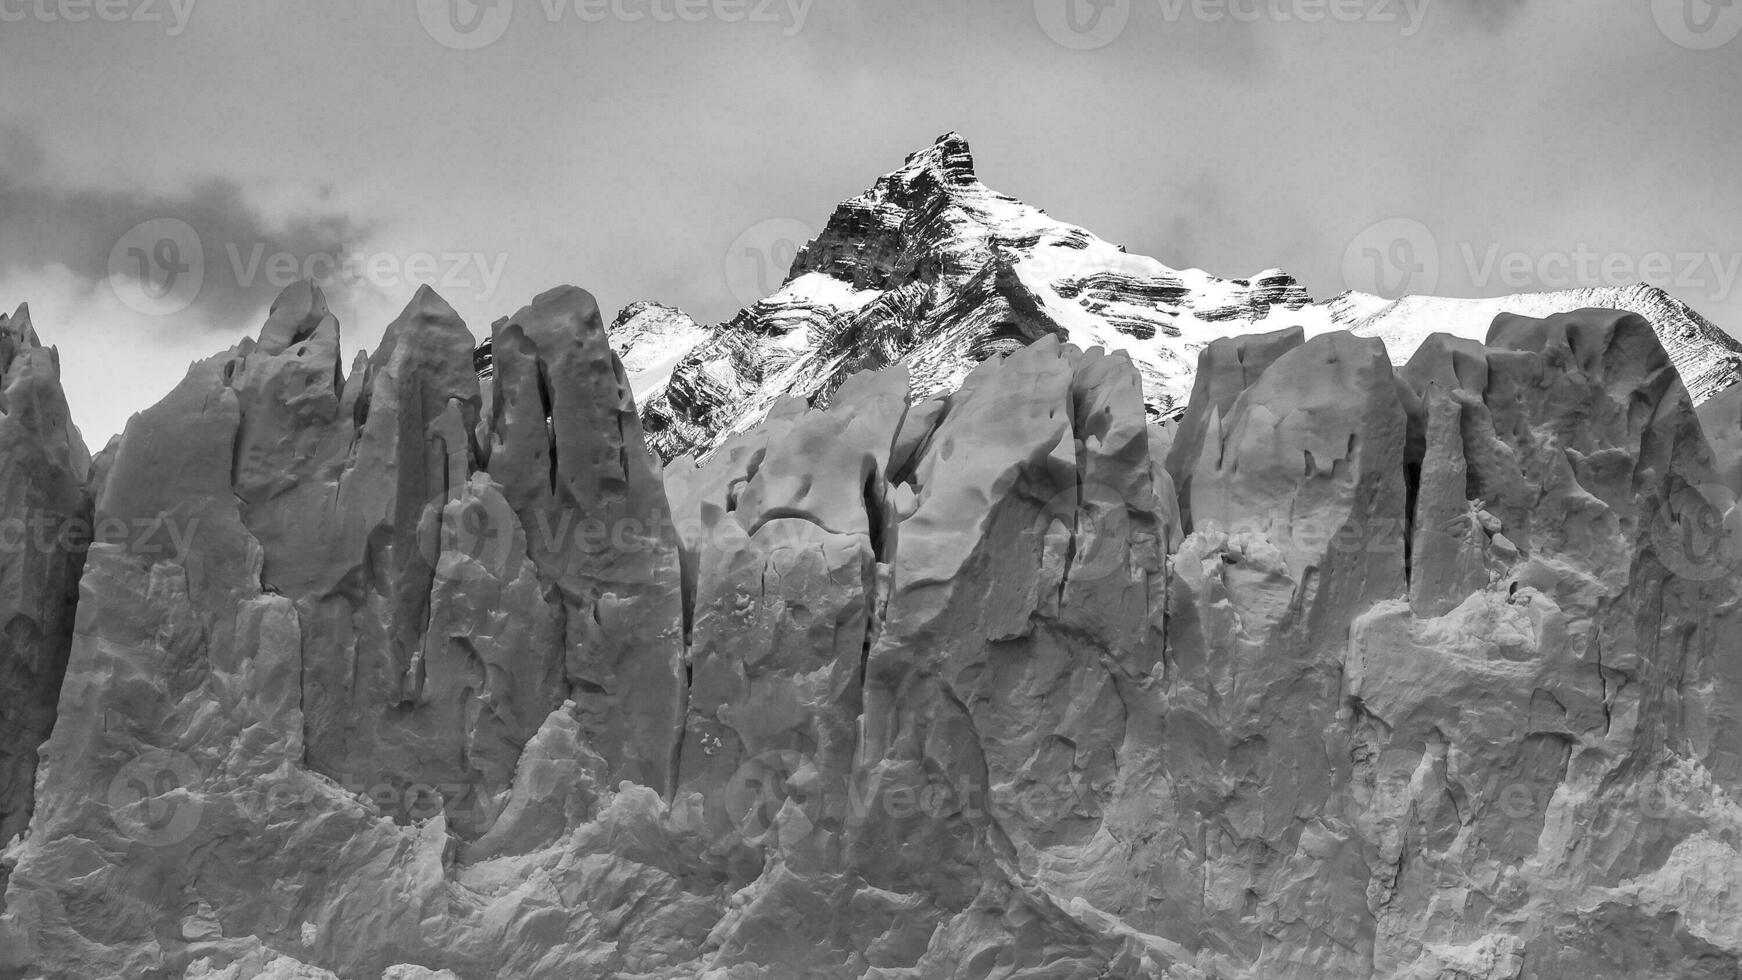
(634,147)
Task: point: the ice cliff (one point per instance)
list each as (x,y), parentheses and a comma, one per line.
(1015,643)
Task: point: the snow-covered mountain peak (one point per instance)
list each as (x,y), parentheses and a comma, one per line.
(932,269)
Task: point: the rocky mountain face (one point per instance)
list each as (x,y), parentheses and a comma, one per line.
(932,270)
(956,666)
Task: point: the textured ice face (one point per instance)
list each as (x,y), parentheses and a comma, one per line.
(1357,668)
(44,526)
(1355,671)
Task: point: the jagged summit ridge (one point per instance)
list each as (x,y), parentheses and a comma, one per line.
(933,270)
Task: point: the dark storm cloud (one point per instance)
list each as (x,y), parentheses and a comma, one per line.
(246,255)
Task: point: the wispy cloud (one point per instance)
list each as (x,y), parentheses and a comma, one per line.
(630,155)
(107,235)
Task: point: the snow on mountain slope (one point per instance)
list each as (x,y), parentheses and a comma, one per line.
(1708,359)
(933,270)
